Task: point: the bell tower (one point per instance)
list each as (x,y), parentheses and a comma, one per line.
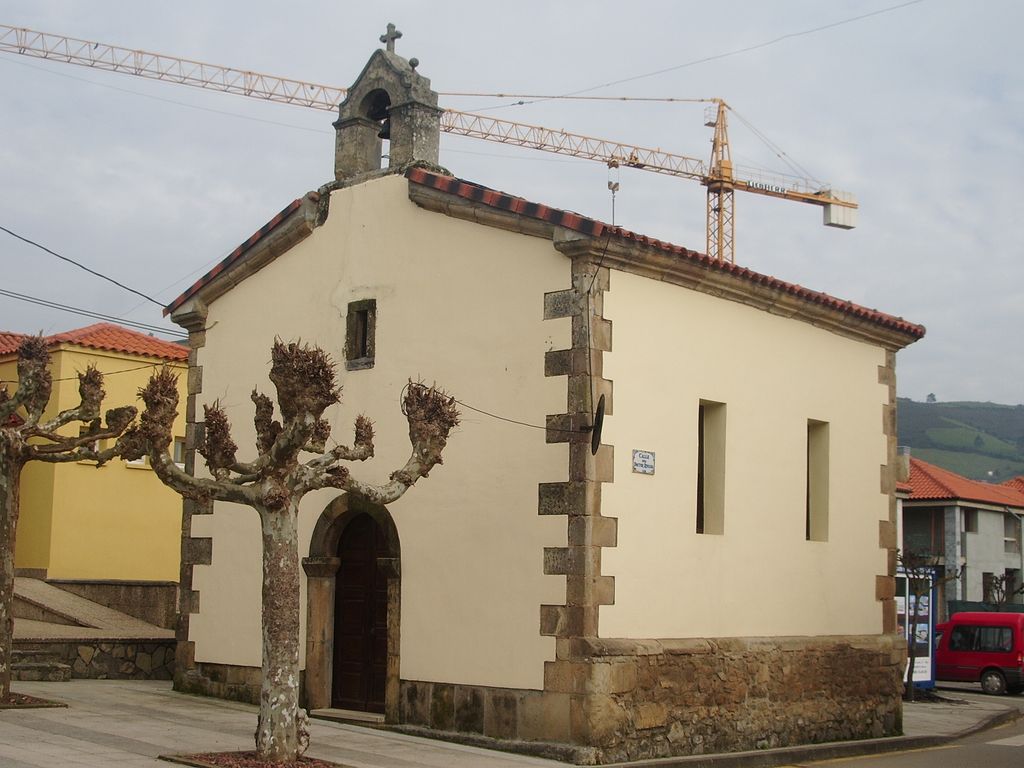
(389,101)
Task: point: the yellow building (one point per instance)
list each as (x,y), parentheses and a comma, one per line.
(118,523)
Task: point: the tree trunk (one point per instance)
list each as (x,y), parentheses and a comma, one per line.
(10,474)
(281,733)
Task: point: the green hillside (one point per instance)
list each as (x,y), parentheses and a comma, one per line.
(983,441)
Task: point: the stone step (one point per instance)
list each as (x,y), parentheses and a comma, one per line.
(41,671)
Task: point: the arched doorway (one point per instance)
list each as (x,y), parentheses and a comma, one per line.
(353,609)
(360,618)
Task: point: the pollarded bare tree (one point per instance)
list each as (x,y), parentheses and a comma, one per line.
(25,437)
(274,483)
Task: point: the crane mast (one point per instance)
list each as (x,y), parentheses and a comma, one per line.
(717,175)
(721,226)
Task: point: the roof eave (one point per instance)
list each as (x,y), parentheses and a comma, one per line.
(292,225)
(700,274)
(578,236)
(963,501)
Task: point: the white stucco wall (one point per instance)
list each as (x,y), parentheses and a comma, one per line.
(458,304)
(985,552)
(673,347)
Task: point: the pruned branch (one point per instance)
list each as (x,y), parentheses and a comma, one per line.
(361,450)
(91,394)
(34,389)
(216,447)
(305,379)
(431,414)
(34,382)
(277,473)
(267,428)
(153,437)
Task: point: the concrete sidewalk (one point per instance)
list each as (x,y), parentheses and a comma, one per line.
(128,724)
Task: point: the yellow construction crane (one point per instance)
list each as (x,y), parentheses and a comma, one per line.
(718,175)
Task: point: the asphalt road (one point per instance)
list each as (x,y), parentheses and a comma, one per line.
(1001,747)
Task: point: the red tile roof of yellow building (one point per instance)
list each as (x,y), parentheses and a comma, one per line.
(9,342)
(107,337)
(929,482)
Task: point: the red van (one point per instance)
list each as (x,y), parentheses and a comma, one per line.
(982,647)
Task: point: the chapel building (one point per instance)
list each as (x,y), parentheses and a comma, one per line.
(688,543)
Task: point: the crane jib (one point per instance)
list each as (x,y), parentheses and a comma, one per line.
(839,207)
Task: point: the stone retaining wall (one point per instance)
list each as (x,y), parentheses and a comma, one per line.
(621,700)
(225,681)
(110,659)
(637,700)
(504,714)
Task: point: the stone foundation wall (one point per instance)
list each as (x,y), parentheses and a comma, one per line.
(110,659)
(648,699)
(622,700)
(225,681)
(498,713)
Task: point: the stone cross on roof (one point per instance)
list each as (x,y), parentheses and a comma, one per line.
(389,38)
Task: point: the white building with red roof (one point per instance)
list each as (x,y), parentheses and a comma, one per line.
(713,569)
(970,526)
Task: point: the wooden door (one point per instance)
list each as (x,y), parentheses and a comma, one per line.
(360,619)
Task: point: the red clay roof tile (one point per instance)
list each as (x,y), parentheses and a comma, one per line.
(929,482)
(1016,482)
(9,342)
(105,336)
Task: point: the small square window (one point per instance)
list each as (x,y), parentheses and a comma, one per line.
(360,334)
(970,521)
(178,451)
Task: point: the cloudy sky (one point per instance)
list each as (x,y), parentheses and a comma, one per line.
(917,108)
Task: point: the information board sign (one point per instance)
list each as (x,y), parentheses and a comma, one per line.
(915,619)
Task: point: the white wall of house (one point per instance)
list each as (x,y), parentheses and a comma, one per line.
(458,304)
(984,551)
(673,348)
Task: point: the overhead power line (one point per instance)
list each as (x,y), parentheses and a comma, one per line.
(82,266)
(96,315)
(717,56)
(105,373)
